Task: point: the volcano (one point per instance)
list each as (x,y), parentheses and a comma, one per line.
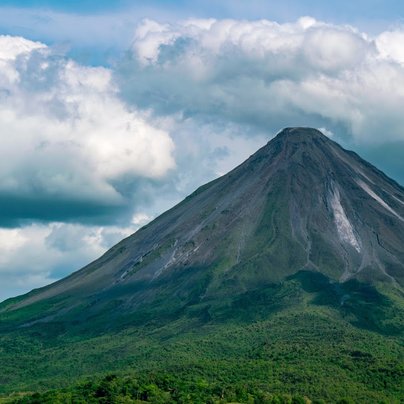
(284,275)
(299,204)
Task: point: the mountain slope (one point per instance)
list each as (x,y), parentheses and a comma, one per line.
(300,203)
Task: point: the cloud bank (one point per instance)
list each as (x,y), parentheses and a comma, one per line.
(267,75)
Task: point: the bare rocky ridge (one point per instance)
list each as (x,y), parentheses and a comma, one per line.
(299,203)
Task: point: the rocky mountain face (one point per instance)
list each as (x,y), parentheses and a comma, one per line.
(300,203)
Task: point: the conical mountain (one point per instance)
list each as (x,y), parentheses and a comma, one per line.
(300,204)
(283,276)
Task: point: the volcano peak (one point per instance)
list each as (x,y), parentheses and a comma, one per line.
(300,135)
(299,145)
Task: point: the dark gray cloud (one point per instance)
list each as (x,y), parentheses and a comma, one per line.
(388,156)
(15,210)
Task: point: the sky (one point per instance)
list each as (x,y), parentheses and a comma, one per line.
(113,111)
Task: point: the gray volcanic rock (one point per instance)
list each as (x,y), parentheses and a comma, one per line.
(301,202)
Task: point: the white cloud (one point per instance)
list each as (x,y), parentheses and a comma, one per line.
(10,48)
(65,134)
(331,48)
(268,75)
(326,132)
(390,45)
(149,37)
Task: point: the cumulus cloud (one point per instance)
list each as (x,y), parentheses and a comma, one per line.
(269,75)
(67,140)
(390,45)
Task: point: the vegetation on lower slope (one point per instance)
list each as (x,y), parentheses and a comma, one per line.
(309,354)
(162,388)
(305,337)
